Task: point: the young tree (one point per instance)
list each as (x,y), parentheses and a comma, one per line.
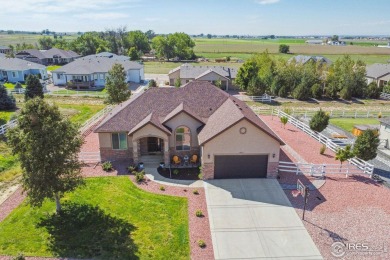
(133,53)
(284,120)
(178,82)
(47,145)
(319,121)
(152,83)
(283,48)
(366,145)
(344,154)
(116,85)
(34,88)
(7,102)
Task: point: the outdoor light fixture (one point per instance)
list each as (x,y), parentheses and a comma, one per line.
(208,156)
(273,155)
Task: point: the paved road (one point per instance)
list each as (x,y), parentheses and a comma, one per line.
(253,219)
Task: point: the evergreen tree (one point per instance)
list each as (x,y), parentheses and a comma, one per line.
(7,102)
(319,121)
(366,145)
(116,85)
(34,88)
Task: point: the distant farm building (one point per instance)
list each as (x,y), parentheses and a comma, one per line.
(318,42)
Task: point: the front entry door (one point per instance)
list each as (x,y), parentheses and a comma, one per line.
(154,145)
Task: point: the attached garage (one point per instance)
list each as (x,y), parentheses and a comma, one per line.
(134,76)
(240,166)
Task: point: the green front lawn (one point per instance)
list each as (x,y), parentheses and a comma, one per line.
(53,67)
(5,116)
(128,224)
(79,113)
(348,123)
(11,86)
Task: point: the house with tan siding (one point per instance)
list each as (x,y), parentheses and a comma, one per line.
(187,73)
(230,140)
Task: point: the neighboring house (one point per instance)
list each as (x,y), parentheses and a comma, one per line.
(378,73)
(384,132)
(91,72)
(16,70)
(187,73)
(303,59)
(342,43)
(52,56)
(5,49)
(195,119)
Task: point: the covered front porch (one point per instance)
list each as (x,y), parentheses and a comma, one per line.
(151,151)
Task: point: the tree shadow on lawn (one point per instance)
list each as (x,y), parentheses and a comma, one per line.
(86,231)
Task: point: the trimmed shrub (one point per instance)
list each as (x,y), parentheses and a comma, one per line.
(175,172)
(319,121)
(366,145)
(139,176)
(284,121)
(196,192)
(162,188)
(107,166)
(152,83)
(322,149)
(199,213)
(201,243)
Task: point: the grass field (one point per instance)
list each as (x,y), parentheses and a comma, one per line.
(348,123)
(5,116)
(7,39)
(109,218)
(164,67)
(53,67)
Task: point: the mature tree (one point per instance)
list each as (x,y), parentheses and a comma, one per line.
(386,88)
(45,43)
(89,43)
(366,145)
(34,88)
(372,91)
(343,155)
(134,54)
(347,78)
(316,91)
(152,83)
(47,145)
(116,85)
(209,36)
(335,38)
(174,45)
(139,40)
(319,121)
(7,102)
(150,34)
(283,48)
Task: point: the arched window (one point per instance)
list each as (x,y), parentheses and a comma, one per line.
(183,138)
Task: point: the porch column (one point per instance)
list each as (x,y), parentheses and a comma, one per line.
(135,151)
(166,152)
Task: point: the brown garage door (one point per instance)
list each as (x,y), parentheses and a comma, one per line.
(240,166)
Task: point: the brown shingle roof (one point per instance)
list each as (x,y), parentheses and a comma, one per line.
(199,99)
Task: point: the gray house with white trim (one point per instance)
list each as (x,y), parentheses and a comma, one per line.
(378,73)
(16,70)
(91,71)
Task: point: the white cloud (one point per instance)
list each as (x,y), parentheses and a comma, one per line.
(267,2)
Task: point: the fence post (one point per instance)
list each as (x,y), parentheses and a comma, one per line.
(323,170)
(355,114)
(297,169)
(346,174)
(311,169)
(343,114)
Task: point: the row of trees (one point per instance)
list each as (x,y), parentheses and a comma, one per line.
(345,78)
(122,42)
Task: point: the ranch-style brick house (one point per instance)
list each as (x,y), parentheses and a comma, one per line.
(230,140)
(187,73)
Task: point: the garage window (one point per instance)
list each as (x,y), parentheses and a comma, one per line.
(119,141)
(183,138)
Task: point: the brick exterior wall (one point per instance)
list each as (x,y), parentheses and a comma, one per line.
(108,154)
(208,171)
(272,170)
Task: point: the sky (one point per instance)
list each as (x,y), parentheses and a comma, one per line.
(220,17)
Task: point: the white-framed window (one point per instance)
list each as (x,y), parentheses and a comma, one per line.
(14,74)
(183,138)
(59,76)
(101,76)
(4,73)
(119,141)
(95,76)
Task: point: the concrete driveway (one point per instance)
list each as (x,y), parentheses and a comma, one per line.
(253,219)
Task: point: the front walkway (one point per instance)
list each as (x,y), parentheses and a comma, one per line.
(253,219)
(153,175)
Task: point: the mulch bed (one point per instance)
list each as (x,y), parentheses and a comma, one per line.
(183,173)
(354,209)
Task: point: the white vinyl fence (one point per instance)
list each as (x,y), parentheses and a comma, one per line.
(263,98)
(87,125)
(10,124)
(364,166)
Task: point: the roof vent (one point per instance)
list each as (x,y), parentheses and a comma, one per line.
(211,109)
